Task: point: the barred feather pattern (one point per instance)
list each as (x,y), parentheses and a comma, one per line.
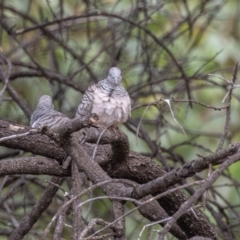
(108,99)
(45,115)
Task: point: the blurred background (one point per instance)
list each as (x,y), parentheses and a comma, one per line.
(165,49)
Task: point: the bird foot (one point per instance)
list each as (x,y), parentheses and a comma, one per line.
(115,130)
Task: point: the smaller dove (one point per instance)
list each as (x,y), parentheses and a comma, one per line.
(45,114)
(108,99)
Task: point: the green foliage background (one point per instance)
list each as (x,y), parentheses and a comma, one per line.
(208,45)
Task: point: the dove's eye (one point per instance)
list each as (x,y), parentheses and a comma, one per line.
(111,76)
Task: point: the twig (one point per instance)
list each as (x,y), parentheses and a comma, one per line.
(103,237)
(13,219)
(6,76)
(30,132)
(90,205)
(194,213)
(229,81)
(228,110)
(138,127)
(147,104)
(151,224)
(91,224)
(219,77)
(202,104)
(60,225)
(97,143)
(227,123)
(110,197)
(3,182)
(169,105)
(66,194)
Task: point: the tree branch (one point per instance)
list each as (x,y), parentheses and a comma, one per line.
(29,220)
(134,168)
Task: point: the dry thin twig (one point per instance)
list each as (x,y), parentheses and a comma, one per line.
(5,76)
(30,132)
(202,104)
(169,105)
(140,123)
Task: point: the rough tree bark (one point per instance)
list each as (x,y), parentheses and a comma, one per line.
(136,167)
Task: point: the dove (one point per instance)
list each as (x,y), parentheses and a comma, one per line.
(108,99)
(45,114)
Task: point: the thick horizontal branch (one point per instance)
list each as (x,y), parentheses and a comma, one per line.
(38,144)
(32,165)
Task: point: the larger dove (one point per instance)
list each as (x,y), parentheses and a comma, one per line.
(108,99)
(45,114)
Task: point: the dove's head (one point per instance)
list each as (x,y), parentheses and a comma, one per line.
(45,101)
(114,76)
